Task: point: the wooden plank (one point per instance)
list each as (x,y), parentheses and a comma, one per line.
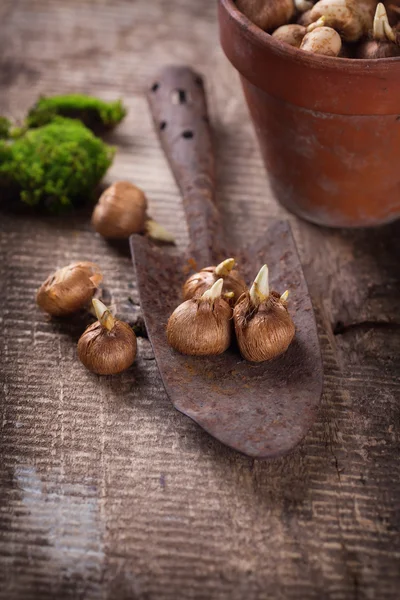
(105,490)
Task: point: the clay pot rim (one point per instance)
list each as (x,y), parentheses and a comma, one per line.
(265,40)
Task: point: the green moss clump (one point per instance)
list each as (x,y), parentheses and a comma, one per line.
(17,132)
(55,166)
(5,126)
(94,113)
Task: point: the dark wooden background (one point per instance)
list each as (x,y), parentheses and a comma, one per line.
(106,492)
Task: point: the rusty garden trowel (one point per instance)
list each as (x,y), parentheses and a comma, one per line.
(262,410)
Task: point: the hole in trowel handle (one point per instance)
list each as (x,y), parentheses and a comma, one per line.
(178,96)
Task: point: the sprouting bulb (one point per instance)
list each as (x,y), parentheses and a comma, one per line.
(351,18)
(233,284)
(293,34)
(108,346)
(263,325)
(201,326)
(122,211)
(69,289)
(384,43)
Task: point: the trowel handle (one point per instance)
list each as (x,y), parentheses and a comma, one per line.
(179,108)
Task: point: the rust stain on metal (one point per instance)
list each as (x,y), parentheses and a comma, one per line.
(262,410)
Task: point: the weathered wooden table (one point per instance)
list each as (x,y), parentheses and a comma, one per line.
(106,492)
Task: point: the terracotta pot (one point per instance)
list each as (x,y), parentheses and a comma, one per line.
(328,128)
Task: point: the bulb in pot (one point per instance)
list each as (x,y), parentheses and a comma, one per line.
(69,289)
(200,282)
(352,18)
(323,40)
(383,44)
(264,328)
(293,34)
(122,211)
(201,326)
(108,346)
(267,15)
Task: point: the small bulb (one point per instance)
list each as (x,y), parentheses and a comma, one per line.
(290,34)
(352,18)
(122,211)
(69,289)
(264,328)
(201,326)
(198,283)
(108,346)
(323,40)
(267,15)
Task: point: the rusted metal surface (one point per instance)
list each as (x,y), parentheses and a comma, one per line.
(261,410)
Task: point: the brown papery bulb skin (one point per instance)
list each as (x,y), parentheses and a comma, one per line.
(323,40)
(372,49)
(265,332)
(352,18)
(290,34)
(269,14)
(200,282)
(69,289)
(120,211)
(107,352)
(200,328)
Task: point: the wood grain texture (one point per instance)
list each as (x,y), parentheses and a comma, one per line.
(106,492)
